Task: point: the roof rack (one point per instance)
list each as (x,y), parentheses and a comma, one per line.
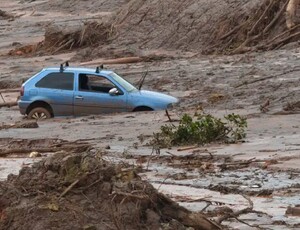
(62,66)
(98,68)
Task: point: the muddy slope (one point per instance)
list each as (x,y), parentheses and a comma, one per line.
(169,24)
(203,27)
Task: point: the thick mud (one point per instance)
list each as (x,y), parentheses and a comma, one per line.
(213,179)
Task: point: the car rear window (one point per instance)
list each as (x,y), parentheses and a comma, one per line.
(63,81)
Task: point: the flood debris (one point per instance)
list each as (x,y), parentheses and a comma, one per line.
(11,146)
(5,15)
(21,125)
(91,33)
(81,190)
(8,104)
(292,106)
(35,154)
(61,38)
(265,106)
(241,27)
(293,211)
(236,214)
(268,25)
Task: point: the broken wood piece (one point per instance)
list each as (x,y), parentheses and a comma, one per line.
(187,148)
(10,90)
(196,220)
(236,214)
(291,11)
(21,125)
(124,60)
(189,200)
(2,98)
(168,115)
(69,188)
(264,107)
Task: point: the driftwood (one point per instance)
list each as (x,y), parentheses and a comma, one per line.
(21,125)
(188,218)
(123,60)
(237,213)
(69,188)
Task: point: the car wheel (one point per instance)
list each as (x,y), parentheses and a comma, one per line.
(39,113)
(142,109)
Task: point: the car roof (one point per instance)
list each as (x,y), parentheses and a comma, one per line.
(79,69)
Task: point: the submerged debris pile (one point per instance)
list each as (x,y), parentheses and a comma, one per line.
(83,191)
(90,34)
(58,38)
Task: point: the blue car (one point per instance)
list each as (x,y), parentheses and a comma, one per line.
(69,91)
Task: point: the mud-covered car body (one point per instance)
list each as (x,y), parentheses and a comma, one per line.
(68,91)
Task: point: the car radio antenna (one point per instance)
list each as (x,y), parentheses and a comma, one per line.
(61,68)
(141,82)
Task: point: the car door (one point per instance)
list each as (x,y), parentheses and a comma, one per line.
(92,96)
(57,89)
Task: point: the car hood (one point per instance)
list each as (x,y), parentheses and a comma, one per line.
(151,95)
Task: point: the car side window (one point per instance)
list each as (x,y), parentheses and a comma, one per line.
(94,83)
(64,81)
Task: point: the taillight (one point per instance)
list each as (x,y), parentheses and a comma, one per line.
(22,91)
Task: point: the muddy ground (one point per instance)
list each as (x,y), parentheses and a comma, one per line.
(264,87)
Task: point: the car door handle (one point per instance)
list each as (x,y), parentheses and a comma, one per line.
(79,97)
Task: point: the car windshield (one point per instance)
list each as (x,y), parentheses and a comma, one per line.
(125,84)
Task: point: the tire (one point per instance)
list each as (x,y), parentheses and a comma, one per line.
(39,113)
(142,109)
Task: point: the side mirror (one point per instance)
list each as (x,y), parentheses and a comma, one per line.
(113,92)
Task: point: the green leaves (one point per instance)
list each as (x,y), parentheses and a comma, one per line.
(202,129)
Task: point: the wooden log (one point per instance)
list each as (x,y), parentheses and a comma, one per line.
(124,60)
(10,90)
